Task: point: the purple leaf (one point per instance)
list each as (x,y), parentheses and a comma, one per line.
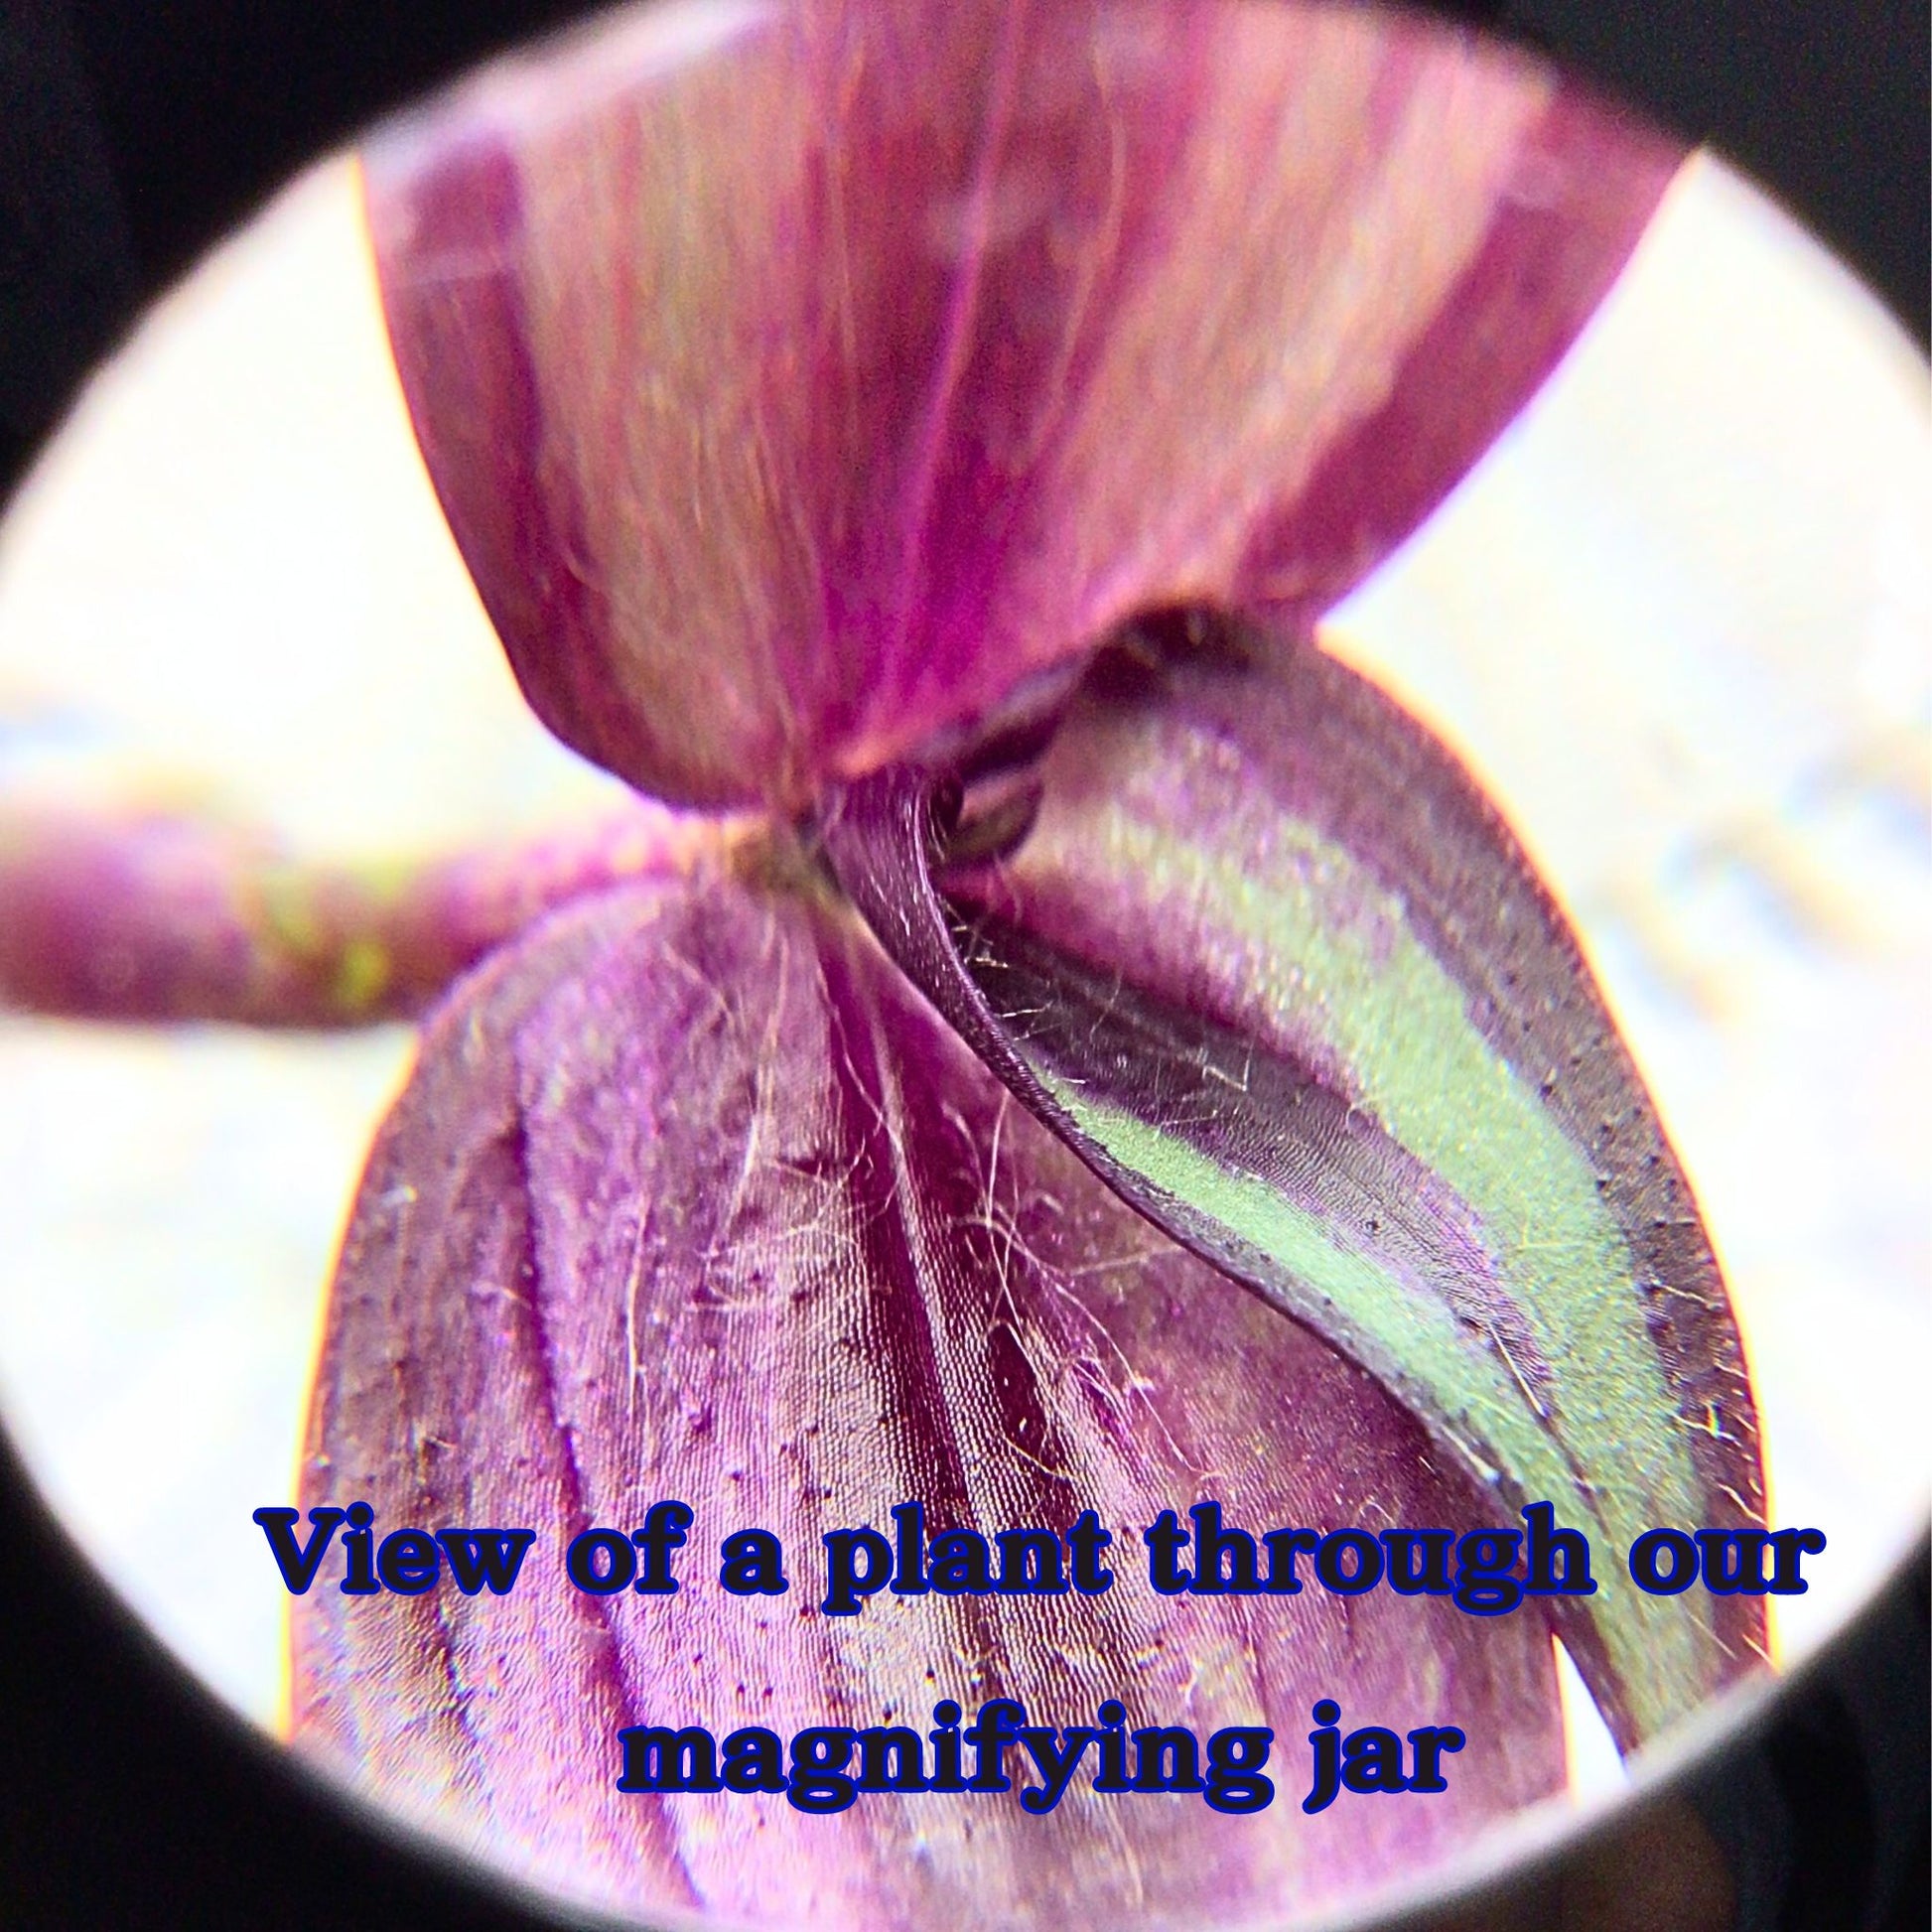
(804,382)
(692,1196)
(1272,965)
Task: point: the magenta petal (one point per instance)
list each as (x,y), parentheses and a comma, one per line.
(801,381)
(692,1196)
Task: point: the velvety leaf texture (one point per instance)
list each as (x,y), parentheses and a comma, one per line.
(692,1196)
(1270,962)
(801,380)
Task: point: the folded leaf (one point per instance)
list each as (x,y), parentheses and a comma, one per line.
(692,1196)
(802,380)
(1271,964)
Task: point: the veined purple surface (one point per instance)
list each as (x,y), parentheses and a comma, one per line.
(798,401)
(692,1196)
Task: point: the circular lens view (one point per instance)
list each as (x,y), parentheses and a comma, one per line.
(965,965)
